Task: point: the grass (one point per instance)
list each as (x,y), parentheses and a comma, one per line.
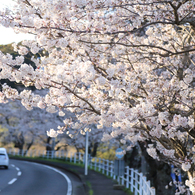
(90,188)
(128,191)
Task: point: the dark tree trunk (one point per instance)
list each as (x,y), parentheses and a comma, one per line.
(132,158)
(94,151)
(29,146)
(159,173)
(19,143)
(48,145)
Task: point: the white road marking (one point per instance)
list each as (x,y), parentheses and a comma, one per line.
(69,190)
(19,173)
(12,181)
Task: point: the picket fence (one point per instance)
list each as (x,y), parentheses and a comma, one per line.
(132,179)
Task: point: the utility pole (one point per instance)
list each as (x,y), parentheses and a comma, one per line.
(86,152)
(53,147)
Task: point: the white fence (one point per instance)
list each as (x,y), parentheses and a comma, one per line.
(132,179)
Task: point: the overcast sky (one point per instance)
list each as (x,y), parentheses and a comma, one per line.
(7,35)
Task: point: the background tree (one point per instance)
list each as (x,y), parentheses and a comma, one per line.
(25,126)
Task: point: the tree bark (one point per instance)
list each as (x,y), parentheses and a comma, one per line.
(159,173)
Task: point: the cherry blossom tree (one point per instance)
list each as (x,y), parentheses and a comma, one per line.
(125,65)
(30,127)
(26,127)
(77,138)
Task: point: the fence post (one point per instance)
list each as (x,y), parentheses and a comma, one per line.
(90,163)
(52,154)
(111,168)
(136,182)
(141,183)
(103,166)
(75,158)
(95,164)
(100,164)
(144,185)
(123,179)
(132,179)
(153,191)
(148,187)
(71,157)
(66,155)
(127,177)
(107,168)
(114,176)
(62,154)
(79,157)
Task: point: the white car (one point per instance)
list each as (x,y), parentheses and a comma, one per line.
(4,159)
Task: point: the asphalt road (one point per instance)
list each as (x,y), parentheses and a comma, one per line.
(27,178)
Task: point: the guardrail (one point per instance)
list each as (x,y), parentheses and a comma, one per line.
(131,179)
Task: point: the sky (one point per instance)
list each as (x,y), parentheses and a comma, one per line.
(7,35)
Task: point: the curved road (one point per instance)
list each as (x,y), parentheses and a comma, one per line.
(27,178)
